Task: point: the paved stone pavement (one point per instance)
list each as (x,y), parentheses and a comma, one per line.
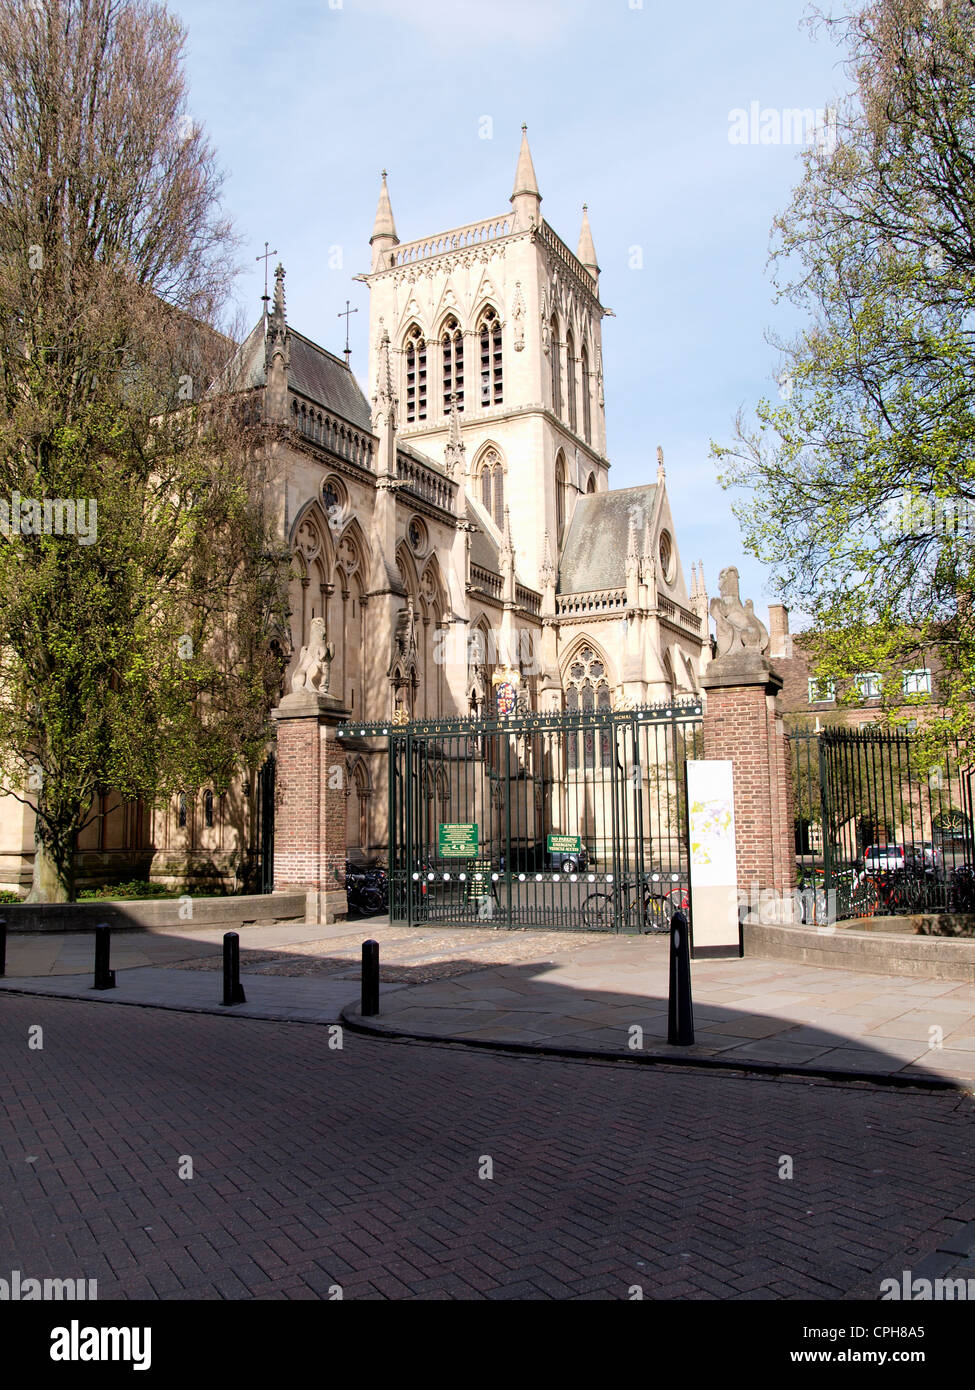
(547,990)
(747,1012)
(315,1167)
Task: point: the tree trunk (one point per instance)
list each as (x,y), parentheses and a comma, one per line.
(53,880)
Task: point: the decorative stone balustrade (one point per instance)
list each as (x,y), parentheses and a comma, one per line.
(599,601)
(486,581)
(472,235)
(425,483)
(332,432)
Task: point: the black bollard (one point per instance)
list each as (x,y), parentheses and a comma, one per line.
(104,978)
(370,979)
(680,1017)
(233,990)
(3,947)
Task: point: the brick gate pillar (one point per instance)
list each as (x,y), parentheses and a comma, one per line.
(743,723)
(310,795)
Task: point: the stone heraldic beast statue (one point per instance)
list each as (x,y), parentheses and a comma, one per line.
(314,670)
(742,639)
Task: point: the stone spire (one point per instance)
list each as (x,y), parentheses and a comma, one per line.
(547,571)
(661,471)
(277,355)
(548,575)
(632,567)
(506,560)
(647,567)
(525,198)
(384,236)
(454,454)
(587,252)
(383,398)
(384,407)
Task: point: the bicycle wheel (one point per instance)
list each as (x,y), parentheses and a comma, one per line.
(657,913)
(597,912)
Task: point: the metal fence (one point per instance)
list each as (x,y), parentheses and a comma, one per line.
(880,831)
(264,837)
(574,821)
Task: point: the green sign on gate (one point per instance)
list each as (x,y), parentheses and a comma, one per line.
(458,841)
(564,844)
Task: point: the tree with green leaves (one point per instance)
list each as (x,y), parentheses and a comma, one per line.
(858,482)
(138,579)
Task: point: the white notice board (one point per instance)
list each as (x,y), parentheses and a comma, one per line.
(713,855)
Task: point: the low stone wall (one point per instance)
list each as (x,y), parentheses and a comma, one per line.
(874,951)
(257,910)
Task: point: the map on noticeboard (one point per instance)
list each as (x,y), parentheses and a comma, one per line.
(711,806)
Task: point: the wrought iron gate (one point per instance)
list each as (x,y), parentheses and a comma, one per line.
(265,825)
(879,830)
(574,821)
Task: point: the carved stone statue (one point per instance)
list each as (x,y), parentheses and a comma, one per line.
(739,632)
(314,670)
(404,636)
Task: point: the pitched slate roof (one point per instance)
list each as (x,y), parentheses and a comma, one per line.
(484,550)
(594,554)
(314,372)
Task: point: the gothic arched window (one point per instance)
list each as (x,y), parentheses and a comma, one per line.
(416,375)
(492,370)
(452,350)
(587,691)
(492,486)
(586,403)
(570,378)
(208,808)
(591,483)
(555,352)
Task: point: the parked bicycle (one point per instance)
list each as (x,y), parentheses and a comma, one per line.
(618,903)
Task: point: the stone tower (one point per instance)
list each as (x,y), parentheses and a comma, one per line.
(502,318)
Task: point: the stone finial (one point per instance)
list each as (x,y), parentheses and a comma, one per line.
(547,573)
(742,639)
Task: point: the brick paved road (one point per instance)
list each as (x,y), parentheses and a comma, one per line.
(360,1168)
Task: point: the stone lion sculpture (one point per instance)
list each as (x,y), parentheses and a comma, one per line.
(737,628)
(314,669)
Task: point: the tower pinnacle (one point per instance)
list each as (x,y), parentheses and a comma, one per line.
(384,236)
(587,252)
(525,198)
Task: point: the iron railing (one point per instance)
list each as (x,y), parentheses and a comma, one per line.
(880,830)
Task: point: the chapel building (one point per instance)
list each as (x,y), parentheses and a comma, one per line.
(454,525)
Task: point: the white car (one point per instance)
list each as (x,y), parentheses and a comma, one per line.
(880,859)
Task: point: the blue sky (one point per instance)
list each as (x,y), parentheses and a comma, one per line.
(627,106)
